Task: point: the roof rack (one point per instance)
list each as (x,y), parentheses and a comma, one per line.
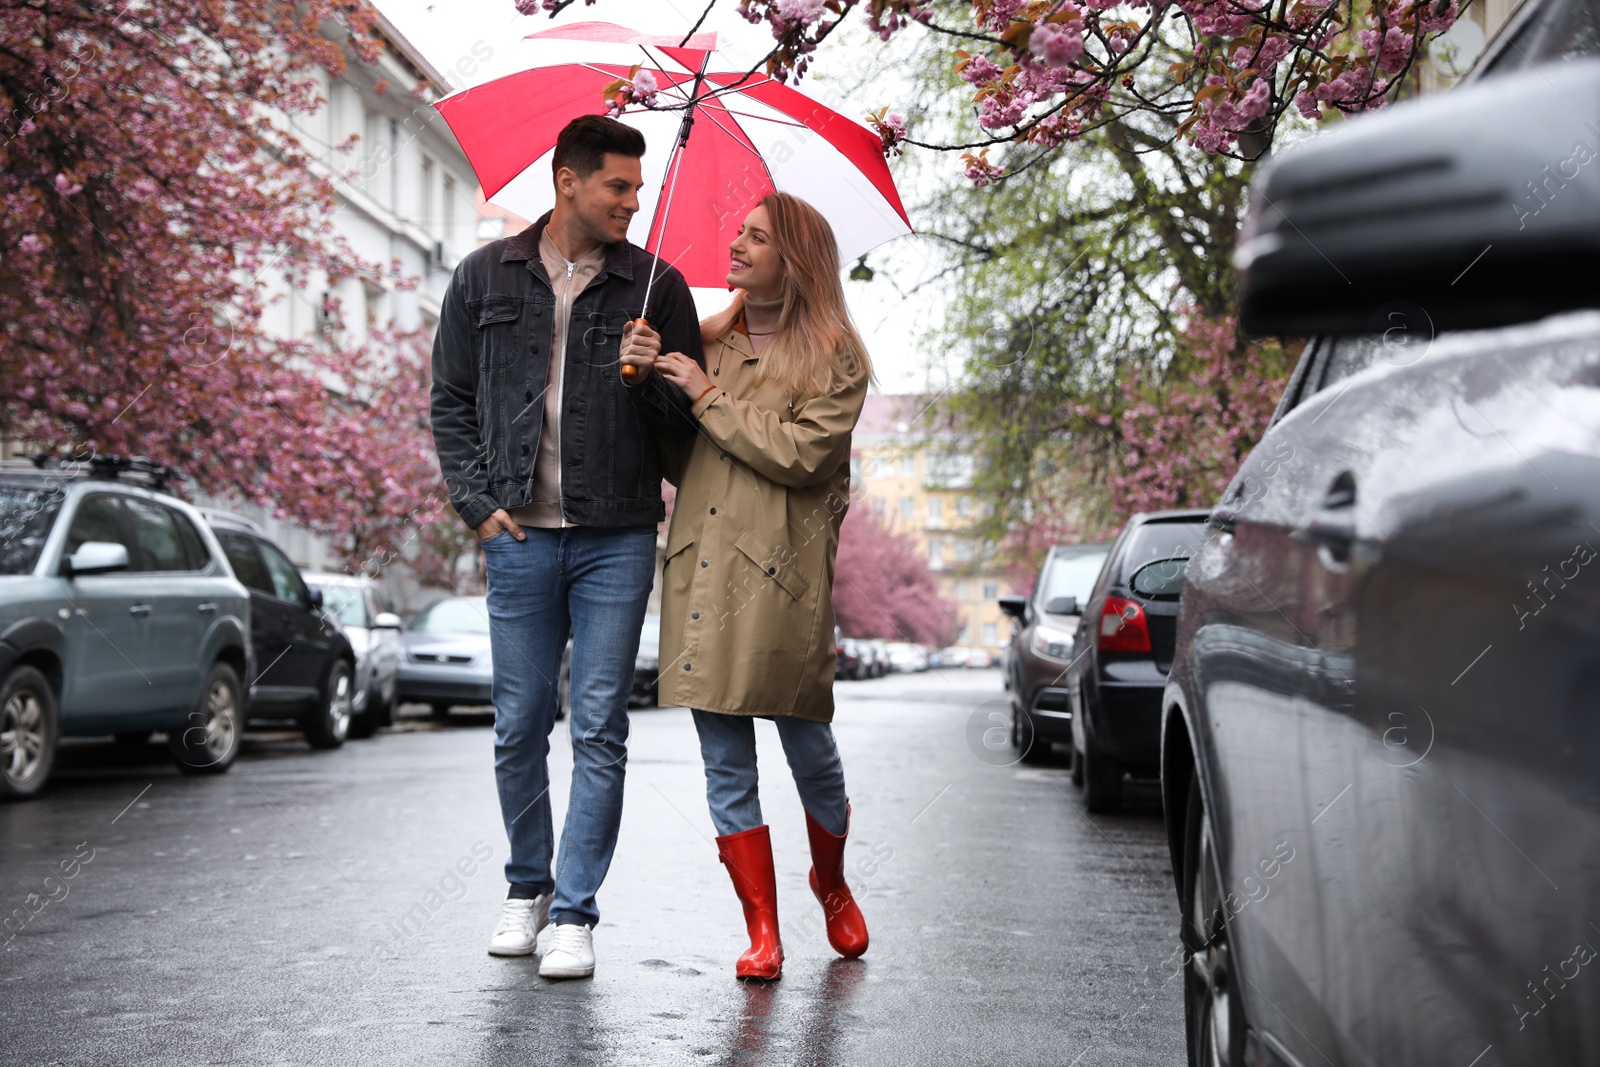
(135,469)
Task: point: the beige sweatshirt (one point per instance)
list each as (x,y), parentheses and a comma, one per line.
(568,280)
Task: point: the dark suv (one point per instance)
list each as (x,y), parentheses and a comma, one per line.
(118,615)
(1381,750)
(306,663)
(1041,649)
(1124,642)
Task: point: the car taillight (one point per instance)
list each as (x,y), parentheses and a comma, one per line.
(1123,627)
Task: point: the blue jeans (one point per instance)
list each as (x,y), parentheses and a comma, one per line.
(728,747)
(595,582)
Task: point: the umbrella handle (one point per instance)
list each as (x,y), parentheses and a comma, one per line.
(629,372)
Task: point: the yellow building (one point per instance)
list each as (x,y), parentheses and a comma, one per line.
(920,480)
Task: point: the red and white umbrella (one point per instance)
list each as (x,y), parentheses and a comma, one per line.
(719,141)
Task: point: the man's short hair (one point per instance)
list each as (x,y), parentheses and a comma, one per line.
(584,141)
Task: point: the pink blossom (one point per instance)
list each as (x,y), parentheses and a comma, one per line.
(800,12)
(30,243)
(1057,45)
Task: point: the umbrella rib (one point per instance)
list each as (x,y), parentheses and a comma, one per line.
(765,118)
(741,141)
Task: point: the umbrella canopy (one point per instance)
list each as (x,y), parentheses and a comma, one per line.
(750,135)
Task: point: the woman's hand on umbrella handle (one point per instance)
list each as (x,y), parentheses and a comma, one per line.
(640,347)
(683,372)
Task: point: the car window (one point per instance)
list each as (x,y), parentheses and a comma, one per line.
(245,560)
(458,615)
(1070,575)
(193,544)
(346,602)
(1161,540)
(1556,30)
(160,547)
(98,518)
(286,581)
(26,518)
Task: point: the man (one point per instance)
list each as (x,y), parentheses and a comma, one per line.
(547,453)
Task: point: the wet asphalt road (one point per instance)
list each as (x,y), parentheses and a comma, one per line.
(261,917)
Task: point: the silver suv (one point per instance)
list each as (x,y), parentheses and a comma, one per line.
(118,615)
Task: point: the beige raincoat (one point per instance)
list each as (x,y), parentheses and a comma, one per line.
(747,607)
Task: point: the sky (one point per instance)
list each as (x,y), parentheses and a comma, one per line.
(895,326)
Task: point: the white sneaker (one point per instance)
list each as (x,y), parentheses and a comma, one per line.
(569,952)
(520,923)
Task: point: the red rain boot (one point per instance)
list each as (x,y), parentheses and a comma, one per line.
(847,930)
(748,857)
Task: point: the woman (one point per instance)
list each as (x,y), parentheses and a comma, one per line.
(747,611)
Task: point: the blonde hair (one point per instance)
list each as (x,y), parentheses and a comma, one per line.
(816,349)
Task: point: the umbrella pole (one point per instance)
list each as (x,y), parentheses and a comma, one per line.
(670,179)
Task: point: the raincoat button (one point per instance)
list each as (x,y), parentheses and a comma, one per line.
(722,455)
(694,614)
(687,666)
(527,394)
(713,511)
(705,563)
(772,570)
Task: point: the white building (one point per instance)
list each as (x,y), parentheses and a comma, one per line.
(407,197)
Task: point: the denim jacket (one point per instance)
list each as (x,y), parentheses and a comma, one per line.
(491,362)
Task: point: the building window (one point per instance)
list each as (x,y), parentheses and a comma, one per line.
(991,590)
(990,635)
(961,638)
(908,466)
(394,165)
(908,508)
(963,592)
(371,154)
(425,196)
(963,507)
(935,511)
(449,212)
(935,553)
(963,551)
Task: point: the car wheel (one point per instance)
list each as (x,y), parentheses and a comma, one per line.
(1026,740)
(1212,1006)
(209,740)
(329,725)
(29,729)
(1102,778)
(372,716)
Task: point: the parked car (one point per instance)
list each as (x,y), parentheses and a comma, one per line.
(1122,652)
(907,658)
(306,664)
(1041,648)
(363,609)
(875,657)
(118,615)
(953,656)
(848,662)
(646,691)
(447,658)
(1383,702)
(981,657)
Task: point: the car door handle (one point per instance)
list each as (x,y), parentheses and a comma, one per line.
(205,609)
(1223,519)
(1333,527)
(140,610)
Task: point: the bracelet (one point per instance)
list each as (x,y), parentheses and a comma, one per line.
(703,392)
